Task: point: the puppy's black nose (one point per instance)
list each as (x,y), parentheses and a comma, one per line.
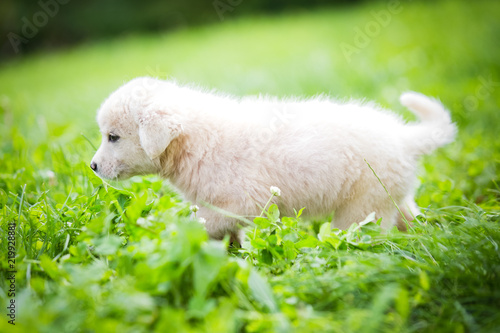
(93,166)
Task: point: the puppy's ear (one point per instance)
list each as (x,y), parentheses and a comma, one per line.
(156,130)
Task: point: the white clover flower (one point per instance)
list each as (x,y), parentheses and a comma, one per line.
(48,174)
(194,208)
(275,191)
(202,220)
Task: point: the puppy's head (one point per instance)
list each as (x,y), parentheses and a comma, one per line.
(137,126)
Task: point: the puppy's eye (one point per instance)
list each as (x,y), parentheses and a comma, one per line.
(113,138)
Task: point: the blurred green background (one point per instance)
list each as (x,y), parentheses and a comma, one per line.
(58,23)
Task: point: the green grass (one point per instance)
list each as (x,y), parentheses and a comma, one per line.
(92,257)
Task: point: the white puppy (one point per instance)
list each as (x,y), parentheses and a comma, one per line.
(228,151)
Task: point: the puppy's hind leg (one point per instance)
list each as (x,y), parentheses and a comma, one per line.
(410,210)
(356,211)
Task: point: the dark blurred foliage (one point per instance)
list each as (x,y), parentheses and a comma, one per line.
(29,25)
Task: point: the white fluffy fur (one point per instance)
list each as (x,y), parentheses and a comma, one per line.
(227,151)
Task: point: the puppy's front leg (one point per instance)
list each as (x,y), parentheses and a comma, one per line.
(218,225)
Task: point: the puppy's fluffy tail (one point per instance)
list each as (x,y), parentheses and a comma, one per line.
(435,128)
